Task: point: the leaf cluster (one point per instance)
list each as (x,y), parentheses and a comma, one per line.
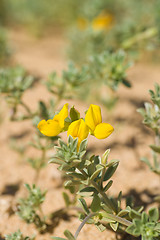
(18,236)
(151,118)
(28,207)
(107,69)
(14,80)
(146,225)
(92,177)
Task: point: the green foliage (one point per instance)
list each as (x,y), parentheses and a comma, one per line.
(146,226)
(89,176)
(105,69)
(14,80)
(29,208)
(18,236)
(151,115)
(130,28)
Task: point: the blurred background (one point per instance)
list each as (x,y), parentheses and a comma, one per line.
(105,52)
(88,27)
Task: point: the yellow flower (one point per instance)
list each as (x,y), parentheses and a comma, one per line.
(102,22)
(93,119)
(78,129)
(53,127)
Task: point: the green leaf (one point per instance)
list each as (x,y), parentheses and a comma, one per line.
(131,230)
(83,146)
(95,205)
(95,174)
(69,235)
(134,214)
(56,161)
(144,218)
(74,114)
(108,185)
(144,159)
(87,191)
(76,175)
(126,83)
(124,212)
(71,183)
(112,162)
(153,214)
(105,157)
(100,227)
(66,198)
(114,226)
(110,171)
(157,227)
(155,148)
(84,205)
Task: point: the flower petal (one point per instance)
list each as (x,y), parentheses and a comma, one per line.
(83,130)
(73,129)
(62,115)
(103,130)
(49,128)
(93,117)
(78,129)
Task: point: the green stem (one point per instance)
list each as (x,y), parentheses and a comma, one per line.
(97,187)
(83,223)
(149,33)
(118,219)
(43,157)
(26,107)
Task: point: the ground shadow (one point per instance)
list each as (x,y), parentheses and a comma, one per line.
(143,198)
(56,218)
(20,135)
(11,189)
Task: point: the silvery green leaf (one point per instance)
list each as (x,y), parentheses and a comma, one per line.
(69,235)
(153,214)
(100,227)
(155,148)
(96,173)
(87,191)
(84,205)
(71,183)
(56,161)
(110,171)
(96,203)
(134,214)
(108,185)
(83,146)
(114,226)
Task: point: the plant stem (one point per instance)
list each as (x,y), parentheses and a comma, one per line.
(43,157)
(147,34)
(83,223)
(105,198)
(118,219)
(26,107)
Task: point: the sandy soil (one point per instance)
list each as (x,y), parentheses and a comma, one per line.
(128,143)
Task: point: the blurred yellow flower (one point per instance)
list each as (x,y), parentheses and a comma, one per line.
(78,129)
(102,22)
(93,119)
(53,127)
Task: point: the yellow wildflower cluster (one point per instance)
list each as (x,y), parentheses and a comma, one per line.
(102,22)
(79,128)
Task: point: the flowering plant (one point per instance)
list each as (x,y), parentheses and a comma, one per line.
(93,177)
